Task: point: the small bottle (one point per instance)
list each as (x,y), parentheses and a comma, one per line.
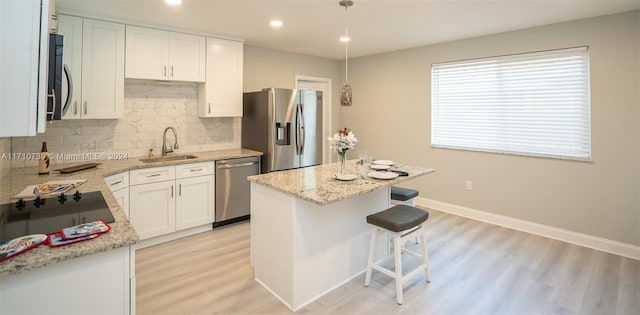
(43,163)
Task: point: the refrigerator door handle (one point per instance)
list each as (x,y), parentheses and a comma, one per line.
(301,128)
(298,126)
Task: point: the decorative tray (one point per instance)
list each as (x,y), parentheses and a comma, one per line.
(76,168)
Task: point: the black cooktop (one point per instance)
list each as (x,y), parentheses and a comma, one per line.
(49,215)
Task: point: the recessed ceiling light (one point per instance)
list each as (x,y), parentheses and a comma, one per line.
(173,2)
(345,39)
(276,23)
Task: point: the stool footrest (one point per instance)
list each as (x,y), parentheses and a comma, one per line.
(405,278)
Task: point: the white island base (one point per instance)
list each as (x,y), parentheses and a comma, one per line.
(302,250)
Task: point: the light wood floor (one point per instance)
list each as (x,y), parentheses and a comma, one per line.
(476,268)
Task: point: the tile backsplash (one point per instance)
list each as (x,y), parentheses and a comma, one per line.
(149,108)
(5,150)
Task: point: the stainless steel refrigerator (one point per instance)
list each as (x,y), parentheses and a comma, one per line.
(284,124)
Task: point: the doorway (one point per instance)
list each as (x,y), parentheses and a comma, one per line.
(324,85)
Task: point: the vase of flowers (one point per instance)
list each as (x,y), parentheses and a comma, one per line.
(341,142)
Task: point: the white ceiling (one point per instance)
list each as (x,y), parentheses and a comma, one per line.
(313,27)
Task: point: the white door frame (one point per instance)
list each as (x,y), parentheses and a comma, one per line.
(324,85)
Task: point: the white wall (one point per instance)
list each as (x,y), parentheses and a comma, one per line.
(265,67)
(391,117)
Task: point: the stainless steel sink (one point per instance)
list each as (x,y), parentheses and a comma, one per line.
(168,158)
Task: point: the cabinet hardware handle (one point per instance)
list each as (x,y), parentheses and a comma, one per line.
(85,107)
(209,108)
(195,170)
(179,189)
(165,71)
(153,175)
(171,71)
(116,183)
(171,191)
(75,107)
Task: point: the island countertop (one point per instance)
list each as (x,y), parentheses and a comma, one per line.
(122,232)
(318,185)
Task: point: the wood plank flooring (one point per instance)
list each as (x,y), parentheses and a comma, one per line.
(476,268)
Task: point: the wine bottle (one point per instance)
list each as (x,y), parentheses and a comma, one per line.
(43,163)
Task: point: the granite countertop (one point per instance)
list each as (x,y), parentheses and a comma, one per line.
(121,233)
(317,184)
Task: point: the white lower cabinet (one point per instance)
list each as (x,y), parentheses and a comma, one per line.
(153,208)
(119,186)
(102,283)
(195,201)
(173,198)
(122,196)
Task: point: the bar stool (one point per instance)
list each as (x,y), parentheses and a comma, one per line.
(403,196)
(402,222)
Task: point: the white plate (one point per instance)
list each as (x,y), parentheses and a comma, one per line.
(380,167)
(345,176)
(383,175)
(384,162)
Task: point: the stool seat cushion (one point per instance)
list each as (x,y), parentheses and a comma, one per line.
(403,194)
(398,218)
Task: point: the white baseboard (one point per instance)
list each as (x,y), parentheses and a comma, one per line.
(599,243)
(172,236)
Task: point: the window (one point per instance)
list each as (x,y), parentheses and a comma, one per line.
(528,104)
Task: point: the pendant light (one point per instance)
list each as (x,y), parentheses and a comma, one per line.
(345,94)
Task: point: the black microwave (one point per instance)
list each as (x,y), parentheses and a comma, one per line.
(55,107)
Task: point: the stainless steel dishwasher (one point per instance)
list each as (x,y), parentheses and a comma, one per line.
(233,193)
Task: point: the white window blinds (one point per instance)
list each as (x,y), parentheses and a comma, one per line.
(530,104)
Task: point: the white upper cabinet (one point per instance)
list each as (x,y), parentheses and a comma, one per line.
(102,69)
(94,56)
(24,38)
(71,28)
(222,92)
(161,55)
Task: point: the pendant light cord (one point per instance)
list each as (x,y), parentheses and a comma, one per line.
(346,44)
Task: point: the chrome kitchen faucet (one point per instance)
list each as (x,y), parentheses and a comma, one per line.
(164,141)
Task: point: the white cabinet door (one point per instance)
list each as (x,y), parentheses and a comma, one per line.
(222,92)
(119,186)
(147,53)
(186,57)
(102,70)
(122,196)
(71,28)
(195,204)
(153,208)
(23,57)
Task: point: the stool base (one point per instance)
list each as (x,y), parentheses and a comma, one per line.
(399,238)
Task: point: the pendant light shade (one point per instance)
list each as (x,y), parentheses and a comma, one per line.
(346,93)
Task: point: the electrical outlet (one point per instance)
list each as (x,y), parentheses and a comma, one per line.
(469,185)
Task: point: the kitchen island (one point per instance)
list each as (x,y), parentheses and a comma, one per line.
(308,230)
(95,276)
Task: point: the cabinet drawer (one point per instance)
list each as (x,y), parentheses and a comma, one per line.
(152,175)
(117,181)
(194,169)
